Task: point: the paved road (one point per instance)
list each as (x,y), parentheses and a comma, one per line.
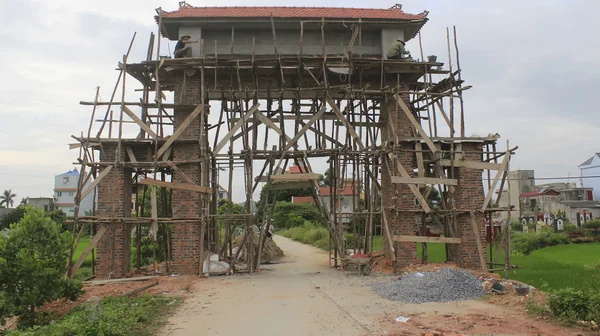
(284,299)
(302,296)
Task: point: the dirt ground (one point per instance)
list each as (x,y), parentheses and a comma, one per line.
(303,296)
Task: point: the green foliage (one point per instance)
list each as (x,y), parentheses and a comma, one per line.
(593,224)
(146,245)
(235,209)
(7,198)
(145,201)
(120,316)
(13,217)
(572,305)
(571,228)
(527,242)
(286,214)
(308,233)
(516,226)
(33,255)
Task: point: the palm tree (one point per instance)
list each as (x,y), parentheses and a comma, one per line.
(7,198)
(24,200)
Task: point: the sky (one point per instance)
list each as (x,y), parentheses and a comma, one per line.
(533,66)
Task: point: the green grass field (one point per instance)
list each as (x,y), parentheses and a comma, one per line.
(83,243)
(557,266)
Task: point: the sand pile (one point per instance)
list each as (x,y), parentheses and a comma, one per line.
(271,252)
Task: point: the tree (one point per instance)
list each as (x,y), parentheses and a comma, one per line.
(12,217)
(286,213)
(33,255)
(7,198)
(24,200)
(326,178)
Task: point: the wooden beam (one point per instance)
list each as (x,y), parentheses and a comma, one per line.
(200,108)
(139,121)
(182,186)
(294,177)
(439,104)
(345,122)
(423,180)
(424,239)
(130,154)
(470,164)
(388,233)
(420,163)
(271,125)
(96,181)
(500,172)
(478,241)
(290,185)
(180,173)
(304,129)
(123,280)
(235,128)
(412,187)
(154,212)
(415,123)
(89,248)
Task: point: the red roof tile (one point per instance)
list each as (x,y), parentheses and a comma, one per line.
(297,170)
(293,12)
(346,191)
(303,199)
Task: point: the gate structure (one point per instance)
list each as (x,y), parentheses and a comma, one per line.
(272,87)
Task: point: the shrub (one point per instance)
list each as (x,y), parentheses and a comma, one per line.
(286,213)
(571,228)
(574,305)
(516,226)
(33,258)
(527,242)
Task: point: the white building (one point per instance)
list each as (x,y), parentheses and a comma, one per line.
(65,189)
(591,167)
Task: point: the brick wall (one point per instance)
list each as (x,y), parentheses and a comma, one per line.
(469,195)
(186,237)
(398,197)
(114,198)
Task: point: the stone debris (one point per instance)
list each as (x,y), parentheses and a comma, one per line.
(444,285)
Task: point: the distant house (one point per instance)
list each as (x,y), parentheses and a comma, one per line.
(65,189)
(41,203)
(591,167)
(532,202)
(223,193)
(345,200)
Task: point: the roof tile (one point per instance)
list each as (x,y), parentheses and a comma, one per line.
(293,12)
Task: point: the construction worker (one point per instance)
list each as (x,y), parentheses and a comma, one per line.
(182,48)
(271,230)
(398,51)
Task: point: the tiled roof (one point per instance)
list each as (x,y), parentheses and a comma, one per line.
(293,12)
(536,193)
(297,170)
(303,199)
(346,191)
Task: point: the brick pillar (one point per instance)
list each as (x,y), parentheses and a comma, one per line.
(186,204)
(469,195)
(398,197)
(114,200)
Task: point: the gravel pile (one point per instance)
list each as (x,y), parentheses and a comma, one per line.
(446,284)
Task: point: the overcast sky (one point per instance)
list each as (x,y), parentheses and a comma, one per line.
(533,65)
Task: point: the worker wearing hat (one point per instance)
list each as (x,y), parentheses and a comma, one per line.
(271,230)
(398,51)
(182,48)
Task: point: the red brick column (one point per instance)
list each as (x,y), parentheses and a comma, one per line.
(469,196)
(186,204)
(114,200)
(396,198)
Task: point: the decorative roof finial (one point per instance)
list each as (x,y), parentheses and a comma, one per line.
(397,7)
(183,4)
(424,13)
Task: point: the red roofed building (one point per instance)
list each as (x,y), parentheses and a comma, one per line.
(248,30)
(344,202)
(532,202)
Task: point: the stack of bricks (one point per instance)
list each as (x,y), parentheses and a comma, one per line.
(185,203)
(396,198)
(469,196)
(114,201)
